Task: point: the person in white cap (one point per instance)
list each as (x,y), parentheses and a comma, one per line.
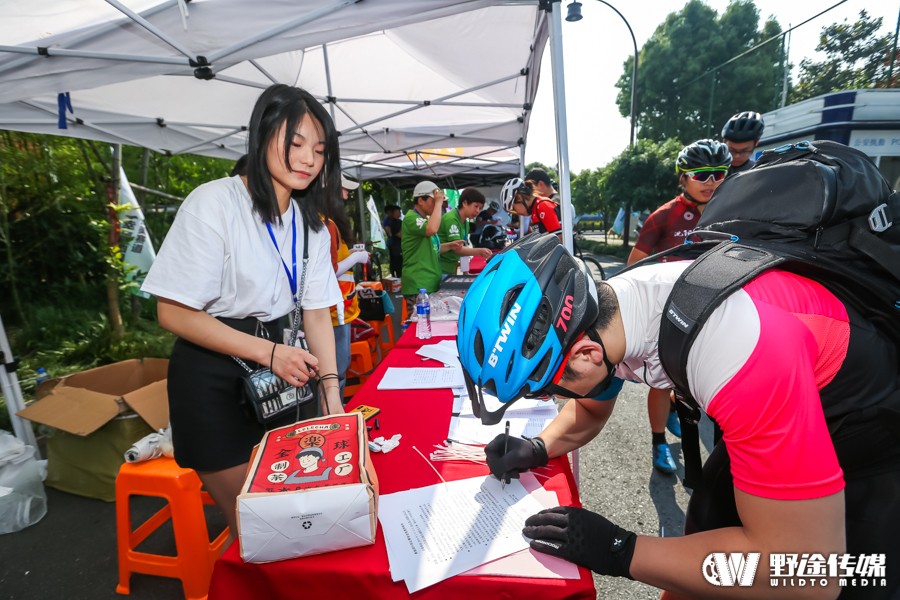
(347,186)
(343,259)
(420,243)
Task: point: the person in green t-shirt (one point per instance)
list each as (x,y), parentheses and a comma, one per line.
(455,226)
(420,244)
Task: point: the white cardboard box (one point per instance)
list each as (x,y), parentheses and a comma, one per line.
(311,489)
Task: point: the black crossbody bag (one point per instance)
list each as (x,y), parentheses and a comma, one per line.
(266,395)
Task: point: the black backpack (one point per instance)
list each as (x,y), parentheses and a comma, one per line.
(821,210)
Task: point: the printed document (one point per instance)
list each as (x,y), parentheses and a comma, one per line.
(528,562)
(439,531)
(420,378)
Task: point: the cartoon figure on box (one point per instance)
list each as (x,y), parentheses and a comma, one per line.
(310,459)
(311,456)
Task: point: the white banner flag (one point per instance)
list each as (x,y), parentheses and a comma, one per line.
(139,251)
(376,233)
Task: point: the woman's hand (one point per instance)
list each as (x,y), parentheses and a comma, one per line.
(294,365)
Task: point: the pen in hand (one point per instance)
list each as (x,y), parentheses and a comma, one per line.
(505,479)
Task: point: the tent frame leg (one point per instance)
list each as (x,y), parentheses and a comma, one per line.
(12,393)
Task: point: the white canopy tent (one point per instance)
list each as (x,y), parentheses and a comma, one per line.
(178,77)
(417,88)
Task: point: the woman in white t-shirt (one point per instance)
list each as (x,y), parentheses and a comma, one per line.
(228,273)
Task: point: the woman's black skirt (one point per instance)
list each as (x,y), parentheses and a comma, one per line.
(211,431)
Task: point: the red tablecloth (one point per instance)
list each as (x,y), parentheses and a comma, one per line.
(409,340)
(423,417)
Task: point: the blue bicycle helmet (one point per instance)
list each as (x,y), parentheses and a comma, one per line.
(519,318)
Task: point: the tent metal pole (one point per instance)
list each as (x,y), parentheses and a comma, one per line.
(51,52)
(266,35)
(208,141)
(9,385)
(86,124)
(562,136)
(562,150)
(262,70)
(424,103)
(138,19)
(328,79)
(93,33)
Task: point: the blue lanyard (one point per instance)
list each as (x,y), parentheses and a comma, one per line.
(292,279)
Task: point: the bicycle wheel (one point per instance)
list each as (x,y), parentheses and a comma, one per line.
(594,267)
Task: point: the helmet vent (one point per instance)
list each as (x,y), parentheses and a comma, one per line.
(508,300)
(541,369)
(538,330)
(479,348)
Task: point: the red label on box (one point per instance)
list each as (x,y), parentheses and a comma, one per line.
(308,455)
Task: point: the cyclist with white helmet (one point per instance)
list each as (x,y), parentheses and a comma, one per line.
(518,197)
(534,323)
(741,134)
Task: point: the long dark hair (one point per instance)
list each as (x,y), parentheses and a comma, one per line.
(337,212)
(286,104)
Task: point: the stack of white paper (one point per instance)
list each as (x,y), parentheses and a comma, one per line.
(444,351)
(526,417)
(436,532)
(421,378)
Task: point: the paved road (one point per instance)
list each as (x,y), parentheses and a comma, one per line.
(618,481)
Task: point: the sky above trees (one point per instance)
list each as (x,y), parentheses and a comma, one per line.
(596,50)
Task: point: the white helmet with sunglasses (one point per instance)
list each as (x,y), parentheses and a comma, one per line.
(509,191)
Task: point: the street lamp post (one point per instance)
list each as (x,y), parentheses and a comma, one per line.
(574,14)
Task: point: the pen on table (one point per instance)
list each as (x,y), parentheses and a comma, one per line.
(504,480)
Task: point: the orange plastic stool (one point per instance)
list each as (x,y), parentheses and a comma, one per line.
(388,323)
(361,365)
(193,565)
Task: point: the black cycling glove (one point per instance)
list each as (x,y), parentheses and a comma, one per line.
(582,537)
(521,455)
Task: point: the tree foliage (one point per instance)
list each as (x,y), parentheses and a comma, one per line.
(678,94)
(55,219)
(855,57)
(642,176)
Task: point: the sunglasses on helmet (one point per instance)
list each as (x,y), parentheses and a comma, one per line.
(703,176)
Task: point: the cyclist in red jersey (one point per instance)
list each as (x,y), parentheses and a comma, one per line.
(701,168)
(518,197)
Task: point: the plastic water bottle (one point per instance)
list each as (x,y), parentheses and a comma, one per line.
(41,377)
(423,315)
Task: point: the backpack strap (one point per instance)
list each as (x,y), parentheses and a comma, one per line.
(703,286)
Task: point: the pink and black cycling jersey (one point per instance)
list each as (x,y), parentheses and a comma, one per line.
(668,225)
(757,367)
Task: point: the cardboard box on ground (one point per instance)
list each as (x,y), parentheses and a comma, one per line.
(95,416)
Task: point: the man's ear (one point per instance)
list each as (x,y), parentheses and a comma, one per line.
(587,350)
